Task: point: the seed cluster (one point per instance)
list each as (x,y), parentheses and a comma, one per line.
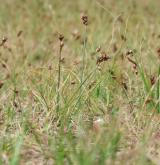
(3,41)
(85,20)
(61,38)
(102,58)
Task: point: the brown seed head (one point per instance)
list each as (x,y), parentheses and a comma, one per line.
(15,104)
(104,57)
(152,79)
(19,33)
(1,84)
(61,37)
(158,52)
(123,37)
(4,40)
(129,52)
(73,82)
(85,20)
(98,49)
(4,65)
(16,91)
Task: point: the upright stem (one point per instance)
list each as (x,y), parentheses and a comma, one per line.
(84,54)
(83,65)
(59,76)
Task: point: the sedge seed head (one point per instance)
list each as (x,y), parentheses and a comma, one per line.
(98,49)
(61,37)
(84,19)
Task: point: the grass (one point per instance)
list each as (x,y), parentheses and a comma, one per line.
(96,101)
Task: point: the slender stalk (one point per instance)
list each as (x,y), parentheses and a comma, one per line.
(84,54)
(85,23)
(59,72)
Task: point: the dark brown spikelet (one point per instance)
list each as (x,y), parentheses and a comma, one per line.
(91,84)
(111,72)
(73,82)
(1,84)
(19,33)
(135,69)
(15,104)
(3,41)
(102,58)
(129,53)
(124,84)
(123,38)
(152,79)
(61,37)
(85,20)
(98,49)
(158,52)
(62,60)
(16,92)
(4,65)
(149,100)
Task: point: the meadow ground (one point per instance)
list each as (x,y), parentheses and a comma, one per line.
(79,82)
